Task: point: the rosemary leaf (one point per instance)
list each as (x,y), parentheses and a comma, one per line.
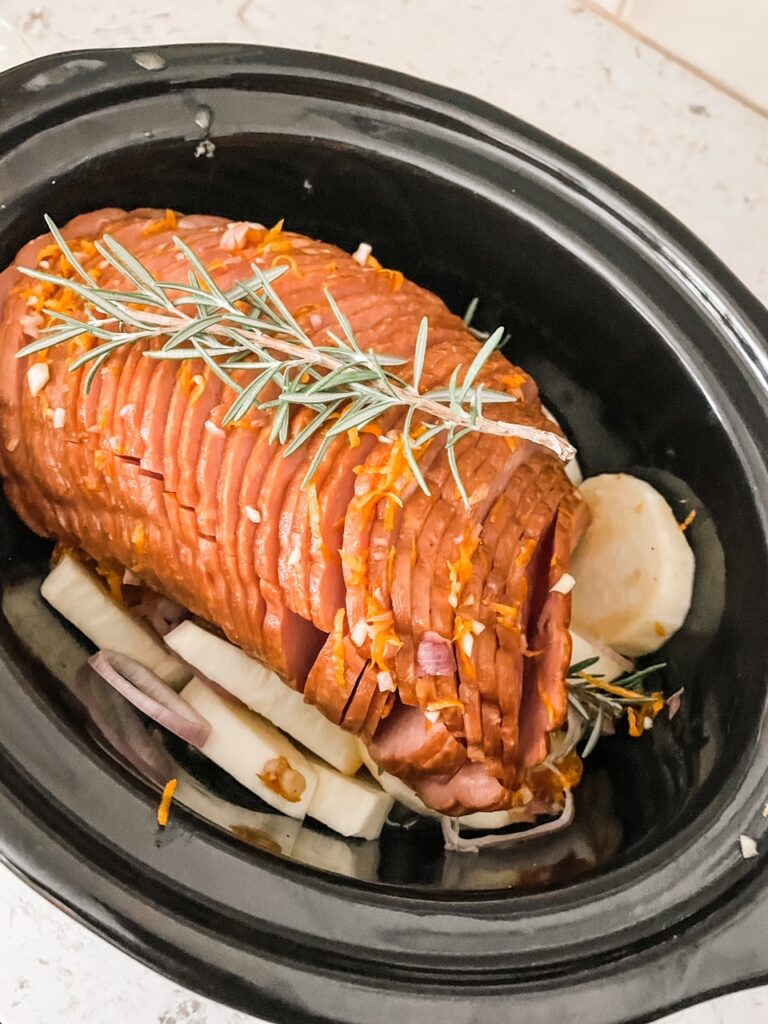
(420,353)
(198,319)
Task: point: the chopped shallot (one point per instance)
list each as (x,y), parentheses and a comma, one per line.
(748,847)
(359,633)
(235,235)
(362,253)
(38,376)
(385,682)
(564,585)
(253,514)
(59,418)
(30,324)
(214,429)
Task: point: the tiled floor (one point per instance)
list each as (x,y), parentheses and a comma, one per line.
(724,40)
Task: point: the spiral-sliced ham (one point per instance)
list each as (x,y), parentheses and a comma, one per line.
(429,628)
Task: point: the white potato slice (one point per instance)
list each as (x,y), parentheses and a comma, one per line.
(263,692)
(572,468)
(633,568)
(77,595)
(253,752)
(486,820)
(350,806)
(609,665)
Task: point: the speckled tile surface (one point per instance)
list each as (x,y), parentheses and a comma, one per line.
(700,153)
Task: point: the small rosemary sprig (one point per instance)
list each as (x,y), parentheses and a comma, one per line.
(339,382)
(599,703)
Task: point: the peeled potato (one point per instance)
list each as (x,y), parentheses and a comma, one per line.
(76,594)
(252,751)
(633,568)
(262,691)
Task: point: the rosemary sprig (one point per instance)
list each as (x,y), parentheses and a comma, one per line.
(599,703)
(338,379)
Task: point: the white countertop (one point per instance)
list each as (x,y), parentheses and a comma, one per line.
(700,153)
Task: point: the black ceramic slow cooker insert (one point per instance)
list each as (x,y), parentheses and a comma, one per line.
(655,358)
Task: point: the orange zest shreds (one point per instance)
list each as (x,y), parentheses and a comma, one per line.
(338,647)
(274,232)
(357,567)
(506,615)
(395,277)
(391,566)
(198,387)
(688,520)
(532,654)
(463,637)
(353,437)
(512,443)
(113,580)
(164,808)
(442,705)
(659,629)
(254,237)
(80,344)
(277,246)
(389,516)
(49,251)
(513,380)
(184,375)
(139,537)
(460,571)
(168,223)
(493,515)
(216,265)
(284,259)
(525,552)
(314,522)
(381,629)
(570,769)
(394,476)
(371,428)
(305,310)
(652,702)
(636,720)
(65,303)
(101,460)
(371,261)
(332,266)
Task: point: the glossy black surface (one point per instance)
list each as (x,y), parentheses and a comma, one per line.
(655,358)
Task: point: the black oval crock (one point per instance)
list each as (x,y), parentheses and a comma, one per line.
(655,357)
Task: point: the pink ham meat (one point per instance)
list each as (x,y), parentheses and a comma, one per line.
(360,589)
